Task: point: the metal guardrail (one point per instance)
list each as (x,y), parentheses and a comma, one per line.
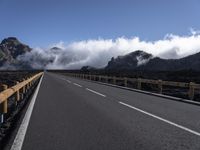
(160,83)
(17,90)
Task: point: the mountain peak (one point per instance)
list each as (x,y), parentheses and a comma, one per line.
(10,49)
(131,60)
(10,40)
(55,48)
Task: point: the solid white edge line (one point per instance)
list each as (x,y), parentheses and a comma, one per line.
(162,119)
(95,92)
(19,139)
(77,84)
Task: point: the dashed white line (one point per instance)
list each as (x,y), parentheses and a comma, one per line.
(77,84)
(96,92)
(162,119)
(68,81)
(19,139)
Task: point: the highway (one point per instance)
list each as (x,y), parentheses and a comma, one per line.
(75,114)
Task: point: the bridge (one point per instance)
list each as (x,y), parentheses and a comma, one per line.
(73,113)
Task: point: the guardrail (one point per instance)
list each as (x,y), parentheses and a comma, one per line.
(18,91)
(139,81)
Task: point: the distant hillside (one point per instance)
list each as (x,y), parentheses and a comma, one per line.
(140,60)
(130,61)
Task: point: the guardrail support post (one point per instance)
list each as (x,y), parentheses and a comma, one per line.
(90,77)
(24,88)
(27,86)
(139,83)
(4,104)
(94,77)
(191,90)
(114,80)
(107,79)
(160,86)
(2,118)
(125,82)
(17,93)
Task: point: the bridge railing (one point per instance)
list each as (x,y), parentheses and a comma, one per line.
(16,92)
(139,82)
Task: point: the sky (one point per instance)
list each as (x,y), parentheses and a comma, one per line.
(91,32)
(46,22)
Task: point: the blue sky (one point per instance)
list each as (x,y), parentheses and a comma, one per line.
(43,22)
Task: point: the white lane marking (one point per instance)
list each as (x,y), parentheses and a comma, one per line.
(77,84)
(66,80)
(162,119)
(96,92)
(19,139)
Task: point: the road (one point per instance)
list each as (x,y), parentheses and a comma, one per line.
(75,114)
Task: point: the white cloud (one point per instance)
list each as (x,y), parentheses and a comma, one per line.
(98,52)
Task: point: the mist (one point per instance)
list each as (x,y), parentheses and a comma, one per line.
(97,52)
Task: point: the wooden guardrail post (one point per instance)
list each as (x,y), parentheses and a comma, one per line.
(24,88)
(90,77)
(139,83)
(191,90)
(125,82)
(93,77)
(114,80)
(17,96)
(27,85)
(106,79)
(4,104)
(160,86)
(99,78)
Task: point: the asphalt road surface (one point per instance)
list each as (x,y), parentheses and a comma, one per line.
(75,114)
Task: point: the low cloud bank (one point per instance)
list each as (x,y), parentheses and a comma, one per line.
(98,52)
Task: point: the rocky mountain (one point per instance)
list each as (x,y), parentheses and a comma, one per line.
(10,49)
(140,60)
(16,55)
(87,68)
(130,61)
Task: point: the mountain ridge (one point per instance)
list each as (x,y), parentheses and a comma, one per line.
(191,62)
(12,50)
